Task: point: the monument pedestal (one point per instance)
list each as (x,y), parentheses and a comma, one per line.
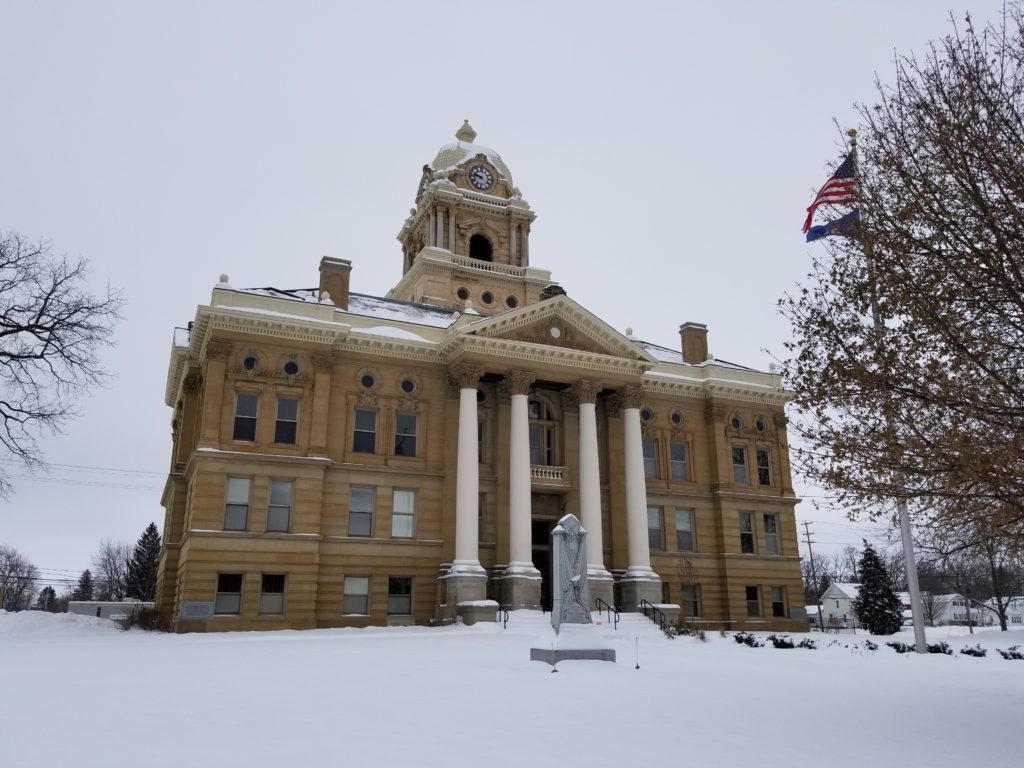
(464,585)
(572,642)
(635,588)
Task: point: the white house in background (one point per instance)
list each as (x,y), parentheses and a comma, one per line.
(837,605)
(115,610)
(1014,613)
(952,609)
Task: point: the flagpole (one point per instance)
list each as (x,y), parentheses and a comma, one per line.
(903,514)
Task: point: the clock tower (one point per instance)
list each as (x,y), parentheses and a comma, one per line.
(466,244)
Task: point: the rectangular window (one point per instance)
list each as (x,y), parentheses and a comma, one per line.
(356,599)
(739,465)
(246,406)
(360,512)
(286,426)
(655,528)
(753,602)
(229,594)
(403,514)
(272,593)
(650,446)
(480,442)
(771,534)
(680,461)
(481,519)
(399,595)
(690,598)
(746,533)
(279,513)
(684,530)
(764,473)
(236,507)
(364,435)
(1016,620)
(405,434)
(779,602)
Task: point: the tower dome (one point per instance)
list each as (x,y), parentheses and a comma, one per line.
(464,148)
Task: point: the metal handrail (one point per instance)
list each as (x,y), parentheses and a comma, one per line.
(503,612)
(599,603)
(656,616)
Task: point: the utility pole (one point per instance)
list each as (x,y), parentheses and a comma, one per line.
(814,575)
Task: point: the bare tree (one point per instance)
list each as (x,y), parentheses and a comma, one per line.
(110,564)
(51,330)
(17,580)
(908,351)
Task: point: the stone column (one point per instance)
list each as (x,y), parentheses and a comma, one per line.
(440,227)
(598,578)
(217,353)
(431,227)
(521,582)
(322,366)
(466,580)
(451,230)
(639,582)
(513,227)
(525,248)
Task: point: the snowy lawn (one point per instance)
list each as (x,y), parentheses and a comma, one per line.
(75,691)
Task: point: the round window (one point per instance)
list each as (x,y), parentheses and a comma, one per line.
(367,381)
(487,297)
(761,426)
(291,368)
(646,414)
(250,363)
(408,385)
(511,302)
(677,418)
(462,293)
(736,422)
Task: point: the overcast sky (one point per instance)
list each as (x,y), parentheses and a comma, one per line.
(668,148)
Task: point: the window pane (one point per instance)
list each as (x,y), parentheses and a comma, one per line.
(402,526)
(405,434)
(273,582)
(236,517)
(771,534)
(287,408)
(650,450)
(684,530)
(361,500)
(280,491)
(654,528)
(357,595)
(271,603)
(680,465)
(245,428)
(753,602)
(229,582)
(404,502)
(279,518)
(746,533)
(355,604)
(739,465)
(366,420)
(399,595)
(763,468)
(360,524)
(227,604)
(285,432)
(238,490)
(246,405)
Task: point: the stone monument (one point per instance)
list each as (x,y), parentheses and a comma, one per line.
(573,634)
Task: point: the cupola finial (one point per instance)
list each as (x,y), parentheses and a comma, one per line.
(466,133)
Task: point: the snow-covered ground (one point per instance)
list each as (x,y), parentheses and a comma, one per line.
(76,691)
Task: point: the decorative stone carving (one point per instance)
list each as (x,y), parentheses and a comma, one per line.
(193,383)
(519,382)
(632,396)
(586,390)
(323,363)
(713,412)
(366,399)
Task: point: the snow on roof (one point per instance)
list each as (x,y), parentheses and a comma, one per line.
(667,355)
(452,155)
(847,588)
(181,337)
(368,306)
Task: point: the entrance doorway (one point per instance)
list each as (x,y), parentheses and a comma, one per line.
(546,509)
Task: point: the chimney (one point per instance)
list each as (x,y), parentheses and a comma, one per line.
(695,342)
(334,278)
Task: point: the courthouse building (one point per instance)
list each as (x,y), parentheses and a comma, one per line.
(342,459)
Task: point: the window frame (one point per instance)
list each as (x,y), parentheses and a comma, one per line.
(764,471)
(754,610)
(772,541)
(748,538)
(369,512)
(543,433)
(285,423)
(271,598)
(405,596)
(689,604)
(345,594)
(220,594)
(690,515)
(245,422)
(360,441)
(404,438)
(649,451)
(229,504)
(779,605)
(396,515)
(659,544)
(679,469)
(740,473)
(275,507)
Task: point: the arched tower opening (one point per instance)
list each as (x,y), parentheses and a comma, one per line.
(480,248)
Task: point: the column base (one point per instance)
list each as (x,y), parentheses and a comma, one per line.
(636,587)
(461,586)
(601,585)
(520,589)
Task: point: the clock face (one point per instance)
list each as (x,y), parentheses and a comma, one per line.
(480,177)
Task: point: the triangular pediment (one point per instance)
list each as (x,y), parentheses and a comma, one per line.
(558,322)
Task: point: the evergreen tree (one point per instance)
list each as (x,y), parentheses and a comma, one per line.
(877,608)
(47,600)
(84,589)
(140,581)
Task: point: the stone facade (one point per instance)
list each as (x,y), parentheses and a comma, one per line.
(347,460)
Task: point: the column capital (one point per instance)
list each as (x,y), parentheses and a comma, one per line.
(465,375)
(218,349)
(632,396)
(323,363)
(585,390)
(193,382)
(519,382)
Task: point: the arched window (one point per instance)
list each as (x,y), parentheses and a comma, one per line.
(543,433)
(479,248)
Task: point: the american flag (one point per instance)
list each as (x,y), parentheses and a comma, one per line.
(841,187)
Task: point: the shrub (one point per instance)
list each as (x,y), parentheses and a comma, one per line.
(149,619)
(781,641)
(899,647)
(745,638)
(977,651)
(940,648)
(1013,653)
(870,646)
(808,644)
